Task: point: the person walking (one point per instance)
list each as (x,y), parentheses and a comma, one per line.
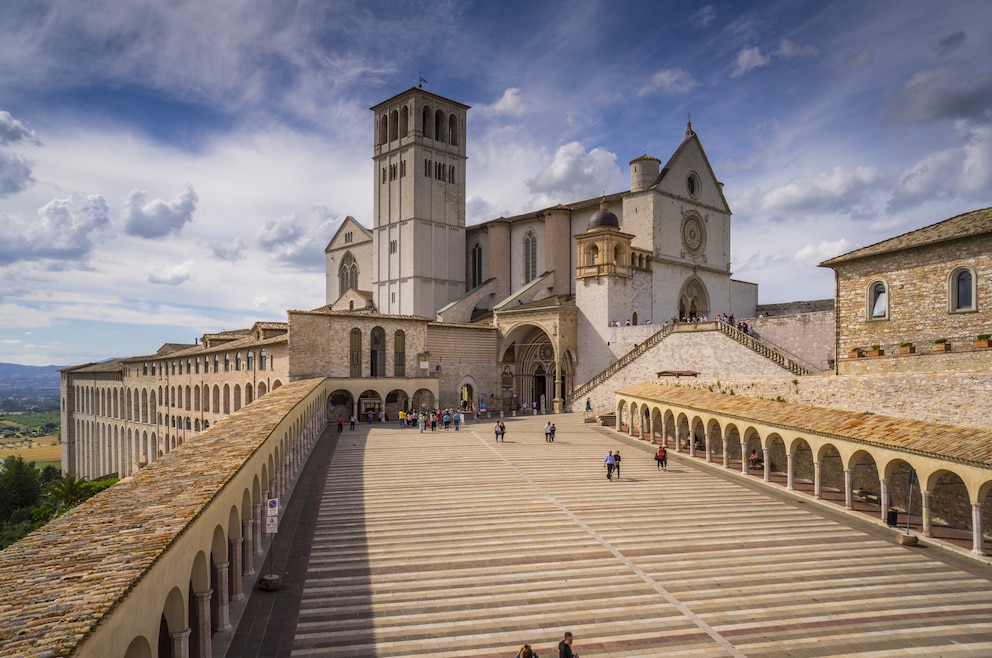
(616,465)
(340,424)
(565,647)
(353,421)
(502,432)
(610,463)
(547,432)
(662,458)
(496,431)
(552,432)
(457,419)
(526,652)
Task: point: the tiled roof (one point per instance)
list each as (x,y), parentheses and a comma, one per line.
(963,444)
(970,224)
(58,583)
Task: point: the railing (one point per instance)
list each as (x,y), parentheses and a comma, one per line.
(729,330)
(620,364)
(758,347)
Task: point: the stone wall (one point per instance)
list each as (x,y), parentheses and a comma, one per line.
(807,337)
(952,398)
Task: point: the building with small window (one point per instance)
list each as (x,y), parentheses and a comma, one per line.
(928,291)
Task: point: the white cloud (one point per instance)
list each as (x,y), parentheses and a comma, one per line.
(299,242)
(63,231)
(752,58)
(705,15)
(234,251)
(574,174)
(926,179)
(813,254)
(837,191)
(976,168)
(858,60)
(672,81)
(509,103)
(169,275)
(157,218)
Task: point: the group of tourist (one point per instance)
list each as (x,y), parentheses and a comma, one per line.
(432,419)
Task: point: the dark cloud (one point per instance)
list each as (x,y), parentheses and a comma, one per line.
(950,43)
(157,218)
(63,231)
(15,174)
(950,91)
(12,130)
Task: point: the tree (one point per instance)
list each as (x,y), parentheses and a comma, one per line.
(69,491)
(20,486)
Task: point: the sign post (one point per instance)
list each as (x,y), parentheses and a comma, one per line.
(271,581)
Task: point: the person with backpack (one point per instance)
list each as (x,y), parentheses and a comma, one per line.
(662,458)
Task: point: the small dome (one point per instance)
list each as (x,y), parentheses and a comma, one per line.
(604,217)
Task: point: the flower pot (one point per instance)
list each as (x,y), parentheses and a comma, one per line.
(876,352)
(855,354)
(941,347)
(982,344)
(909,349)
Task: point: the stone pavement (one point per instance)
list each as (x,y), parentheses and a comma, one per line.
(448,544)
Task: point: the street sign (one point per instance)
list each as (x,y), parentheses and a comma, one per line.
(271,525)
(272,507)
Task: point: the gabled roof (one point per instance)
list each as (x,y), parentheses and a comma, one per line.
(691,139)
(967,225)
(349,221)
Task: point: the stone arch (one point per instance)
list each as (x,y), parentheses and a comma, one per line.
(423,399)
(340,403)
(775,457)
(237,396)
(694,299)
(227,399)
(468,392)
(262,389)
(139,648)
(802,459)
(864,473)
(949,497)
(276,384)
(395,401)
(831,467)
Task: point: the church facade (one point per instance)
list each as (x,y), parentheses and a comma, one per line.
(423,311)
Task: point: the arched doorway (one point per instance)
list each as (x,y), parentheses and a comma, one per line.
(694,302)
(466,396)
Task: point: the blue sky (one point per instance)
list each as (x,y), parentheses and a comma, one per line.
(174,168)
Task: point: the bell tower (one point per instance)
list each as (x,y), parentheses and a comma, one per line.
(419,229)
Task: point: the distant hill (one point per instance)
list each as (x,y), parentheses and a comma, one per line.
(29,388)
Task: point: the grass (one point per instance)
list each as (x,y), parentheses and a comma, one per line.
(49,452)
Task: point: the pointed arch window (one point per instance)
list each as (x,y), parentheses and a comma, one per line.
(347,274)
(530,257)
(377,352)
(399,354)
(355,348)
(476,265)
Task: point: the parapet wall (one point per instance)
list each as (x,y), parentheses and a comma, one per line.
(809,337)
(952,398)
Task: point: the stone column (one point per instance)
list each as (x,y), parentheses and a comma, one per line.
(258,509)
(789,476)
(744,468)
(558,400)
(708,446)
(883,498)
(726,451)
(180,643)
(848,492)
(817,481)
(651,429)
(927,530)
(692,443)
(765,451)
(977,535)
(248,547)
(202,622)
(223,621)
(236,593)
(619,420)
(678,439)
(274,487)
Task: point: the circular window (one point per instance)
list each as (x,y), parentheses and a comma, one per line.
(693,234)
(547,352)
(692,185)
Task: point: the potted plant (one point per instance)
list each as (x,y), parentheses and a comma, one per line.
(907,348)
(876,350)
(982,341)
(855,353)
(941,345)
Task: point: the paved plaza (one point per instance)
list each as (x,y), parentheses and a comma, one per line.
(449,544)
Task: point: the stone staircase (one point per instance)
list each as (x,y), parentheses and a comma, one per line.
(730,331)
